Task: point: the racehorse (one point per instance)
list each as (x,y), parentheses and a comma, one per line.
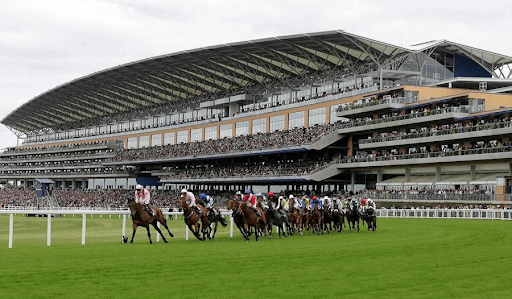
(280,221)
(295,217)
(353,218)
(237,218)
(316,220)
(191,218)
(327,219)
(214,219)
(370,218)
(251,219)
(140,217)
(338,218)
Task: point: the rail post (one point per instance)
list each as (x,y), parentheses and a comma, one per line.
(11,228)
(83,228)
(49,231)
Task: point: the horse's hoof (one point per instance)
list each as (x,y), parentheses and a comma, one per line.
(165,241)
(172,236)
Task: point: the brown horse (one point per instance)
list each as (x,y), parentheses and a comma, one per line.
(338,218)
(237,218)
(140,217)
(295,217)
(251,219)
(191,218)
(316,220)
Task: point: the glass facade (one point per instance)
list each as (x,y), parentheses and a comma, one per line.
(156,139)
(277,123)
(169,138)
(132,142)
(296,120)
(226,130)
(210,133)
(196,135)
(242,128)
(143,141)
(182,137)
(316,116)
(259,126)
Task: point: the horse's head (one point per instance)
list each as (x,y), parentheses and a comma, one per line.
(181,202)
(241,207)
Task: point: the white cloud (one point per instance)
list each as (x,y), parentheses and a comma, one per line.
(44,44)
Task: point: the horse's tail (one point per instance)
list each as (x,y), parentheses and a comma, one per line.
(223,221)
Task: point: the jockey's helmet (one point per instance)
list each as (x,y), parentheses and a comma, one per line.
(270,194)
(314,197)
(291,196)
(202,196)
(138,187)
(326,197)
(259,194)
(183,190)
(247,191)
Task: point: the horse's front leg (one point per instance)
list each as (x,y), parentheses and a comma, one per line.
(134,231)
(149,234)
(154,223)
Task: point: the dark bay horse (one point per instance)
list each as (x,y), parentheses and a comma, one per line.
(327,223)
(353,216)
(316,220)
(214,219)
(191,218)
(275,218)
(338,218)
(370,218)
(140,217)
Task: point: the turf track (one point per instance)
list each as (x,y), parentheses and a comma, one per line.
(404,258)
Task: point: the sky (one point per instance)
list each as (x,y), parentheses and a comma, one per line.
(44,44)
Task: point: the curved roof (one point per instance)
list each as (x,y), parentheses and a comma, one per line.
(184,79)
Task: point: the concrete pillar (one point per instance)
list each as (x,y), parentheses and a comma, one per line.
(472,173)
(407,174)
(379,176)
(438,173)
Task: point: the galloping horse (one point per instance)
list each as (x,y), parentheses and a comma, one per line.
(251,219)
(316,220)
(280,221)
(191,218)
(338,218)
(370,218)
(327,219)
(295,217)
(237,218)
(140,217)
(214,220)
(353,218)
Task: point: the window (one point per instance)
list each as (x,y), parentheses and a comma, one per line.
(277,123)
(296,120)
(196,135)
(169,138)
(156,139)
(334,117)
(316,116)
(259,126)
(210,133)
(182,137)
(226,130)
(143,141)
(132,142)
(242,128)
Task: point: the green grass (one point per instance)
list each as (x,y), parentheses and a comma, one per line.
(404,258)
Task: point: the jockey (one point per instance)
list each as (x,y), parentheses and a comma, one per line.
(142,197)
(190,199)
(284,203)
(337,204)
(371,206)
(316,201)
(296,201)
(353,203)
(208,203)
(250,199)
(305,203)
(326,201)
(260,198)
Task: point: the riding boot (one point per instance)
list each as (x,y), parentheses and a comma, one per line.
(256,211)
(150,210)
(199,211)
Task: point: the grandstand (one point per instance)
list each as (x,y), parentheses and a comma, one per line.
(328,111)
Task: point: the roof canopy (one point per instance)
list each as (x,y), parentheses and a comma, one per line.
(184,79)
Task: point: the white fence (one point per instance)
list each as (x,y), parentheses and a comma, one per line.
(83,214)
(492,214)
(382,213)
